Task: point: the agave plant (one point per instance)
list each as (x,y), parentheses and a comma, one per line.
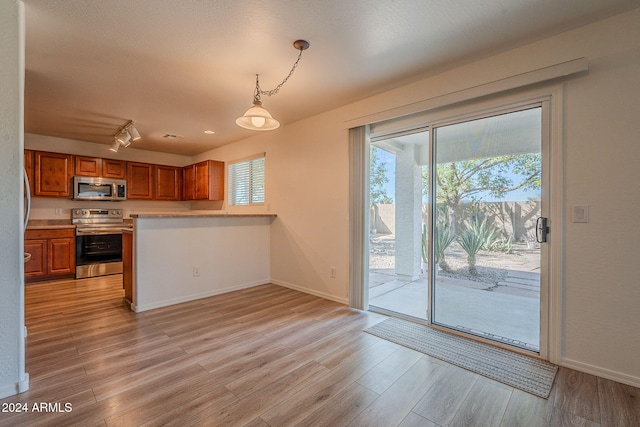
(443,238)
(471,242)
(477,236)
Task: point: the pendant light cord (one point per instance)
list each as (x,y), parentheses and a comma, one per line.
(260,92)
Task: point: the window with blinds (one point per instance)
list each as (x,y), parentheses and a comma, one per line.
(246,182)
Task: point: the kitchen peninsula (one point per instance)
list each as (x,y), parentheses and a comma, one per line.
(187,256)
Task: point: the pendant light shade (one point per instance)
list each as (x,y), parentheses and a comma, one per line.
(257,118)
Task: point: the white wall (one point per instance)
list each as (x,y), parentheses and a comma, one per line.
(230,253)
(307,186)
(13,378)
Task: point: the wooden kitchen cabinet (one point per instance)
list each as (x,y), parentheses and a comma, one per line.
(188,182)
(204,181)
(37,265)
(114,169)
(53,254)
(29,167)
(61,256)
(88,166)
(100,168)
(167,182)
(127,266)
(139,181)
(52,174)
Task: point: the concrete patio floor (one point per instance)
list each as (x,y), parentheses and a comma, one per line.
(507,311)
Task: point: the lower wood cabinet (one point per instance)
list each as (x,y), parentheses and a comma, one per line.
(53,254)
(127,266)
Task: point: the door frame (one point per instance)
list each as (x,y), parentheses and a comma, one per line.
(551,97)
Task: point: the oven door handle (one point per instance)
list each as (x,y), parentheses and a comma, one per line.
(93,233)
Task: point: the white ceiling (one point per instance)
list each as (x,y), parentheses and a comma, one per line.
(183,67)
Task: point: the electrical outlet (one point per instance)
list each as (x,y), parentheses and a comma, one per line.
(332,273)
(196,271)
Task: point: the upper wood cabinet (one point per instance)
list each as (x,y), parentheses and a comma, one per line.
(167,182)
(29,168)
(114,168)
(52,174)
(88,166)
(188,182)
(98,167)
(208,180)
(139,181)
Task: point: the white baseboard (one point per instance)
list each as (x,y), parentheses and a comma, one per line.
(601,372)
(311,291)
(15,388)
(187,298)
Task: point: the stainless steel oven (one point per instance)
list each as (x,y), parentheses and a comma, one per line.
(98,241)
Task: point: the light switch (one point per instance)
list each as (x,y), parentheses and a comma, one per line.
(581,214)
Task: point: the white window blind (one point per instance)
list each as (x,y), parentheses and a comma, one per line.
(246,182)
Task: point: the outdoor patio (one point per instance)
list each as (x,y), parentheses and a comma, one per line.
(501,302)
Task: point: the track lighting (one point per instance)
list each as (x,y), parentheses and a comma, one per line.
(124,139)
(257,117)
(125,136)
(133,132)
(114,146)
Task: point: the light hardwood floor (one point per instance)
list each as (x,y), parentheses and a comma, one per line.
(265,356)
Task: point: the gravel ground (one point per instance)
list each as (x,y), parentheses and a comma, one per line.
(492,266)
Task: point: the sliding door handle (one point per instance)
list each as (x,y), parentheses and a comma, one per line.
(541,229)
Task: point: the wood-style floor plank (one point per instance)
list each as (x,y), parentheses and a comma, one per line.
(577,394)
(264,356)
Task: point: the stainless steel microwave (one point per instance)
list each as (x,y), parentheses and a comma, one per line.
(86,188)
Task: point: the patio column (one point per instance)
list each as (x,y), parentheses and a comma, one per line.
(408,213)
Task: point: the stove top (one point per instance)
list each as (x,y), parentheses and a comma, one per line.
(98,220)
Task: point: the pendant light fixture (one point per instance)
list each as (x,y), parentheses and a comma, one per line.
(257,117)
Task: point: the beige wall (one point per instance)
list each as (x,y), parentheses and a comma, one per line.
(307,186)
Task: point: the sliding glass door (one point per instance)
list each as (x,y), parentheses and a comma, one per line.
(488,207)
(398,224)
(456,224)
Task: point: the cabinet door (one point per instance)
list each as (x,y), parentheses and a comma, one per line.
(53,172)
(167,183)
(37,265)
(216,180)
(188,182)
(114,169)
(29,167)
(201,181)
(61,257)
(88,166)
(139,181)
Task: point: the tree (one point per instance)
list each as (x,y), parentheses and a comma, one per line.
(377,179)
(469,180)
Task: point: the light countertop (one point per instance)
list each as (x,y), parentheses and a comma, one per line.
(201,215)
